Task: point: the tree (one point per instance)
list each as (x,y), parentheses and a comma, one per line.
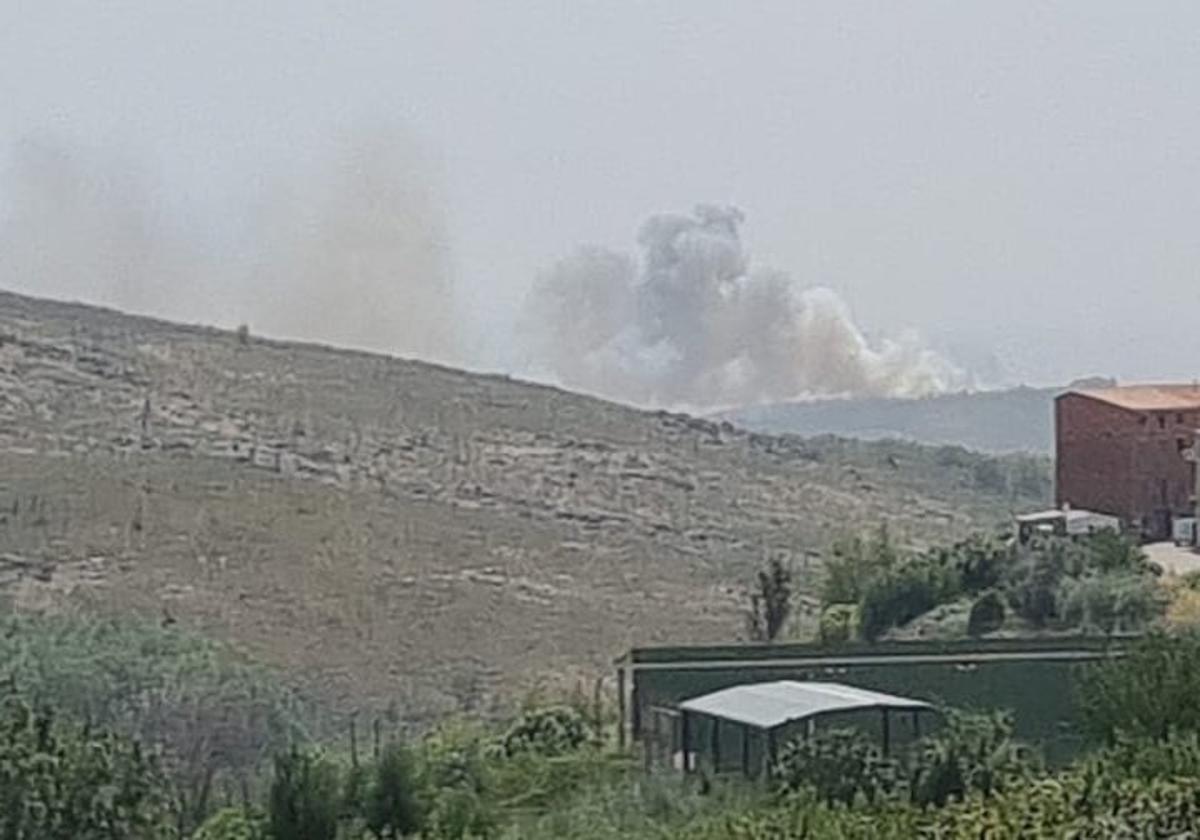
(770,603)
(305,799)
(62,780)
(391,807)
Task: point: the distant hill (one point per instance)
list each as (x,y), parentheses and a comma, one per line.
(1013,420)
(386,530)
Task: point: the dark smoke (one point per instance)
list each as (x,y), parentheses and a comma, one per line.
(692,324)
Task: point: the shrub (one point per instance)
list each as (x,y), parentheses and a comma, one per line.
(1112,602)
(900,595)
(987,615)
(980,563)
(1033,594)
(855,561)
(1108,552)
(60,780)
(972,754)
(305,798)
(460,813)
(233,824)
(839,623)
(1150,692)
(391,809)
(839,765)
(555,730)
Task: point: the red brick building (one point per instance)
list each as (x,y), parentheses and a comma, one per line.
(1125,451)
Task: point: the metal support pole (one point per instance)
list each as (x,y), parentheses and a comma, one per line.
(746,751)
(716,745)
(621,708)
(916,724)
(770,757)
(635,709)
(685,732)
(887,734)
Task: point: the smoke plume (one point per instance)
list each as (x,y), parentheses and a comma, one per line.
(356,254)
(349,250)
(80,224)
(693,324)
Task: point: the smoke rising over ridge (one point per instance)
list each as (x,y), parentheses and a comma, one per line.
(352,249)
(349,250)
(694,324)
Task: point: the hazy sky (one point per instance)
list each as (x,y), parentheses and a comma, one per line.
(1022,178)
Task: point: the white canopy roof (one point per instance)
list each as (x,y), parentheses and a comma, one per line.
(767,705)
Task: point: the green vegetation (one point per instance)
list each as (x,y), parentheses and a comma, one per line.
(213,719)
(770,602)
(64,779)
(550,773)
(1100,583)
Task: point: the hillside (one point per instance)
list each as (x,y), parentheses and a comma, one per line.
(1011,420)
(392,531)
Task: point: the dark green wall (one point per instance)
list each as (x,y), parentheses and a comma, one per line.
(1034,679)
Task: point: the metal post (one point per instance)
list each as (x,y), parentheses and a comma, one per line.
(635,709)
(746,751)
(771,754)
(887,734)
(916,724)
(685,738)
(716,745)
(621,707)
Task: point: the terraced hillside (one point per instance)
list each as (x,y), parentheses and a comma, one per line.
(388,531)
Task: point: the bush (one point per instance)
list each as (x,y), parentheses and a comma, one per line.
(1150,692)
(61,780)
(987,615)
(556,730)
(215,717)
(839,623)
(460,813)
(855,561)
(980,563)
(1112,602)
(972,754)
(233,824)
(898,596)
(1034,591)
(305,800)
(839,765)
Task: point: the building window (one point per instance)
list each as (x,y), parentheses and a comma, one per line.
(1142,420)
(1178,418)
(1162,421)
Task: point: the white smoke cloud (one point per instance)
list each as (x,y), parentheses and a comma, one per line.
(693,324)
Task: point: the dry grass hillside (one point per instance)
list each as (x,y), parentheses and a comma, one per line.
(391,531)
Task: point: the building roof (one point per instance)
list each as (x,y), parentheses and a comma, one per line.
(1054,514)
(1166,397)
(767,705)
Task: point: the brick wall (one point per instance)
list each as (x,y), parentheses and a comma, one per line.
(1123,462)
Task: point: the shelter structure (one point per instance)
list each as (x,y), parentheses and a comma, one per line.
(761,710)
(1064,523)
